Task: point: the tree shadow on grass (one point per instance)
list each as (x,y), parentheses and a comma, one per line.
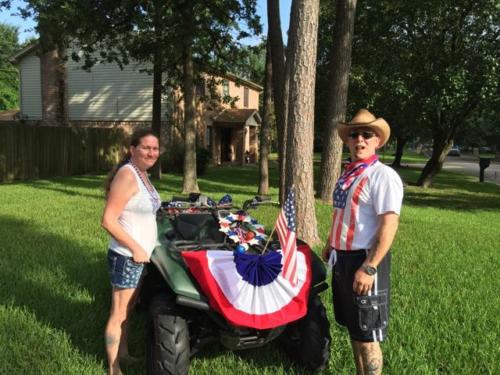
(78,181)
(453,201)
(62,283)
(218,181)
(65,190)
(65,286)
(240,176)
(450,191)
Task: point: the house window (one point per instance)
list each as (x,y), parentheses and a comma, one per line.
(225,88)
(200,88)
(208,138)
(246,93)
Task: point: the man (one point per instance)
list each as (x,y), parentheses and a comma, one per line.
(367,203)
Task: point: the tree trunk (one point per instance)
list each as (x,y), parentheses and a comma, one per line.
(157,88)
(340,66)
(280,91)
(53,76)
(440,147)
(433,165)
(400,144)
(302,59)
(265,128)
(444,129)
(190,182)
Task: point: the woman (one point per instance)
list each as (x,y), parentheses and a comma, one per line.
(130,218)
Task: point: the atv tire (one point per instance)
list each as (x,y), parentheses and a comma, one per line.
(168,349)
(308,340)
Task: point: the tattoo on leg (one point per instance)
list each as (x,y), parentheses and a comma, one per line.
(372,367)
(372,360)
(110,340)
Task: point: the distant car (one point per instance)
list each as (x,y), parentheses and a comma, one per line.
(485,150)
(454,151)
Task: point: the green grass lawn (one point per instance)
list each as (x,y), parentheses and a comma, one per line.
(54,290)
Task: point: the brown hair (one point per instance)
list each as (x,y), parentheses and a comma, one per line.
(135,140)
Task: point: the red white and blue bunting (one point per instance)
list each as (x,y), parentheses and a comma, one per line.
(249,289)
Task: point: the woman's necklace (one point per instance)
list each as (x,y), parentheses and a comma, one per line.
(153,195)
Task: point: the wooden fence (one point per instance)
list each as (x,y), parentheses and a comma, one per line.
(30,152)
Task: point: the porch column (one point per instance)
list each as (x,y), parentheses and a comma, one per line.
(245,144)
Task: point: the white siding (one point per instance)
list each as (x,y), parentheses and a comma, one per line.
(31,88)
(109,93)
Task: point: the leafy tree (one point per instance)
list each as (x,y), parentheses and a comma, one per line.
(251,63)
(280,68)
(380,79)
(265,130)
(339,66)
(428,65)
(180,39)
(482,129)
(9,82)
(300,130)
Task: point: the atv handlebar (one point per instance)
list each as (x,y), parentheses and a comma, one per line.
(182,245)
(259,200)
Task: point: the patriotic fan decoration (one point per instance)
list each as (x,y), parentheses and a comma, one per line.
(260,291)
(249,290)
(242,229)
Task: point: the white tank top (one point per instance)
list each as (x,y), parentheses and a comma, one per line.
(138,219)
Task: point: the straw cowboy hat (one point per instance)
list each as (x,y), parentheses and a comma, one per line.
(364,119)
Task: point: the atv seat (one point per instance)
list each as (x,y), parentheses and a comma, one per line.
(200,226)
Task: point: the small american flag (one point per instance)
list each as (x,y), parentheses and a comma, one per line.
(286,228)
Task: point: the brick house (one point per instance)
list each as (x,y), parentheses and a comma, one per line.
(56,91)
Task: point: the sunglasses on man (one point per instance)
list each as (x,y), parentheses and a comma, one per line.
(365,134)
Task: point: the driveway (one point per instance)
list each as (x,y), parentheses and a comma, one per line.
(470,166)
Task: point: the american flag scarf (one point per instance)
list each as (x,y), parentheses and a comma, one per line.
(353,170)
(344,208)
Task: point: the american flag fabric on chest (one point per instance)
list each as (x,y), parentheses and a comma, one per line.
(346,198)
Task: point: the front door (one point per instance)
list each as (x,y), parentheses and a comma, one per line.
(225,145)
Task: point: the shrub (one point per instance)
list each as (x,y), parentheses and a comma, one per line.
(202,159)
(173,160)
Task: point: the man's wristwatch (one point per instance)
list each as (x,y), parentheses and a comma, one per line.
(369,270)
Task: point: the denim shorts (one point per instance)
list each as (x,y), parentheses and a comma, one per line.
(123,271)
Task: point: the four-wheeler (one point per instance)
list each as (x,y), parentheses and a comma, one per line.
(181,319)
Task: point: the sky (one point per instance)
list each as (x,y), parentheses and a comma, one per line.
(26,27)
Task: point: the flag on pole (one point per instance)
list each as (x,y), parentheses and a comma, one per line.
(286,228)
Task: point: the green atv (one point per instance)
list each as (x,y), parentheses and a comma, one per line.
(181,318)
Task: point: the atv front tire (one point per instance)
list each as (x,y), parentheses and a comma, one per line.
(168,349)
(308,340)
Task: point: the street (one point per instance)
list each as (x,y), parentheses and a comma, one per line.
(470,166)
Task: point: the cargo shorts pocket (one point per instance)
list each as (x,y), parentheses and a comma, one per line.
(372,311)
